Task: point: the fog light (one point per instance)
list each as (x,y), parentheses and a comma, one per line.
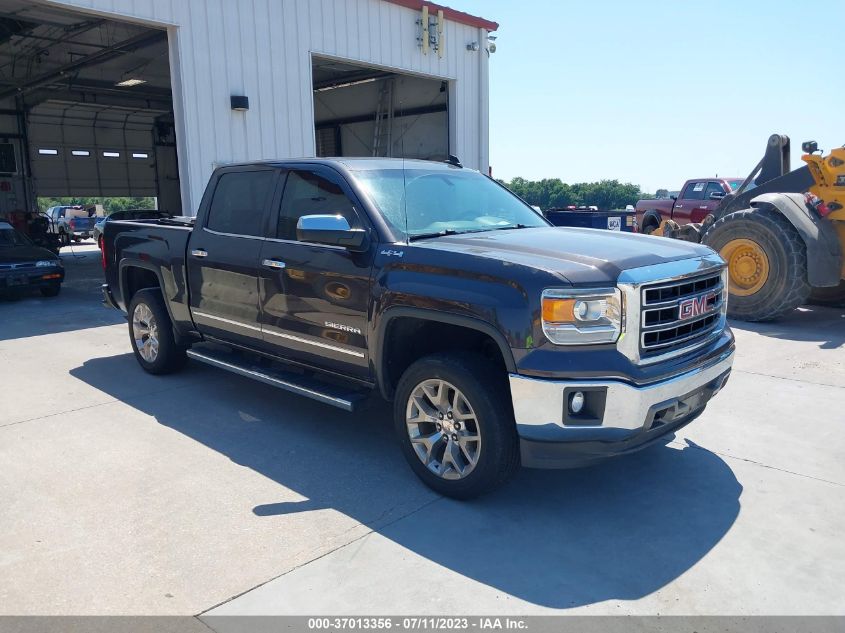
(576,402)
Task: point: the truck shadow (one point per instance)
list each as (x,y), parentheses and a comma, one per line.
(28,314)
(561,539)
(811,324)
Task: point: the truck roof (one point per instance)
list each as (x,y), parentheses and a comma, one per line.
(356,164)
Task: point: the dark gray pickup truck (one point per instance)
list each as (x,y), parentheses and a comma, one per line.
(500,339)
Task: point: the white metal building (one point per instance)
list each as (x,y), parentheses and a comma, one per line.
(146,97)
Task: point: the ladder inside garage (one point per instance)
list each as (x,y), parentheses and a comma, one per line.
(383,130)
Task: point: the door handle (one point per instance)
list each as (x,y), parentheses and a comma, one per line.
(679,206)
(273,263)
(199,252)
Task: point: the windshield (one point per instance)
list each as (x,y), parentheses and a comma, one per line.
(10,237)
(736,184)
(444,201)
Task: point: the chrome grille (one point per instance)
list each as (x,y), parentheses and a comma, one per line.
(680,314)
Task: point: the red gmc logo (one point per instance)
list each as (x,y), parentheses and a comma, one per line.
(697,306)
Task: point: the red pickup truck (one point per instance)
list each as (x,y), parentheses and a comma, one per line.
(697,199)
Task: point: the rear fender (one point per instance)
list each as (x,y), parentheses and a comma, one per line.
(824,253)
(181,334)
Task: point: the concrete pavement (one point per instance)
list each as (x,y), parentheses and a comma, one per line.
(205,493)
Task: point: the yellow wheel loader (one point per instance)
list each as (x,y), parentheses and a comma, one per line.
(782,233)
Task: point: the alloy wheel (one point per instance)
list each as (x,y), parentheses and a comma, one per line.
(145,332)
(443,429)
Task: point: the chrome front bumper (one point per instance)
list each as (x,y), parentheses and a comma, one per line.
(625,417)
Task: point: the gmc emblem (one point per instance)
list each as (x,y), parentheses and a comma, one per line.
(690,308)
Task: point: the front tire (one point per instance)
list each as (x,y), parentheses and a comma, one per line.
(51,291)
(454,420)
(767,263)
(151,334)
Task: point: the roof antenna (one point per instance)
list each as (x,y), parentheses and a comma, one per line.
(453,160)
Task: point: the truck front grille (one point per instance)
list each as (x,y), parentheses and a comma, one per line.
(678,315)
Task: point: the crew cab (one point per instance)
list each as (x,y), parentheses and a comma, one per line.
(698,198)
(499,338)
(72,223)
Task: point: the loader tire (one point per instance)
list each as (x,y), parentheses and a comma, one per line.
(767,263)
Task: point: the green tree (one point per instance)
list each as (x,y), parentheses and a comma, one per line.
(552,192)
(109,204)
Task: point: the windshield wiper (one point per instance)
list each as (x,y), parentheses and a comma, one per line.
(424,236)
(512,226)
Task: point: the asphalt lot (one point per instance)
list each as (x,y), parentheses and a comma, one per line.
(206,493)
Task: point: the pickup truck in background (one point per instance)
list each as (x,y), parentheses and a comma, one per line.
(698,198)
(499,338)
(74,223)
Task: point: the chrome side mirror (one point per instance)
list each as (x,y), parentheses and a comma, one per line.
(331,230)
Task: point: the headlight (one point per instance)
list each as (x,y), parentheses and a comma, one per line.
(582,317)
(47,263)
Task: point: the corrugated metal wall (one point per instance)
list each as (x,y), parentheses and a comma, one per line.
(262,48)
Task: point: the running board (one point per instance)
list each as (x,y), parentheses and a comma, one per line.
(345,399)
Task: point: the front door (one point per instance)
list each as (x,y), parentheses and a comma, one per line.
(315,298)
(691,197)
(223,256)
(709,204)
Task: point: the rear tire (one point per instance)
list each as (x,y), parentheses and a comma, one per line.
(51,291)
(445,401)
(833,296)
(151,334)
(767,263)
(650,226)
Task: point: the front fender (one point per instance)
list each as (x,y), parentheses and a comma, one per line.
(824,253)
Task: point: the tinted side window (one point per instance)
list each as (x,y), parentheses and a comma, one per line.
(240,202)
(694,191)
(307,193)
(713,187)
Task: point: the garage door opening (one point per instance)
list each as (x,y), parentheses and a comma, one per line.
(86,107)
(363,111)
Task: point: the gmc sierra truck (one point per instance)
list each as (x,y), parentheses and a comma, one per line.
(500,339)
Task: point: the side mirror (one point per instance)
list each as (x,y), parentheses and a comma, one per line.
(331,230)
(717,195)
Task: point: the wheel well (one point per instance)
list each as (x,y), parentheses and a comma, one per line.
(135,279)
(651,217)
(407,339)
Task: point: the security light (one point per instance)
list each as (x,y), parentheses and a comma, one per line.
(240,103)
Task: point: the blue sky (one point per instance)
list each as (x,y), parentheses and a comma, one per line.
(654,92)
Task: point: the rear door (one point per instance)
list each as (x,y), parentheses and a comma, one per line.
(223,255)
(315,298)
(691,197)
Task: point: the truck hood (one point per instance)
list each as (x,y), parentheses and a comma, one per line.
(581,256)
